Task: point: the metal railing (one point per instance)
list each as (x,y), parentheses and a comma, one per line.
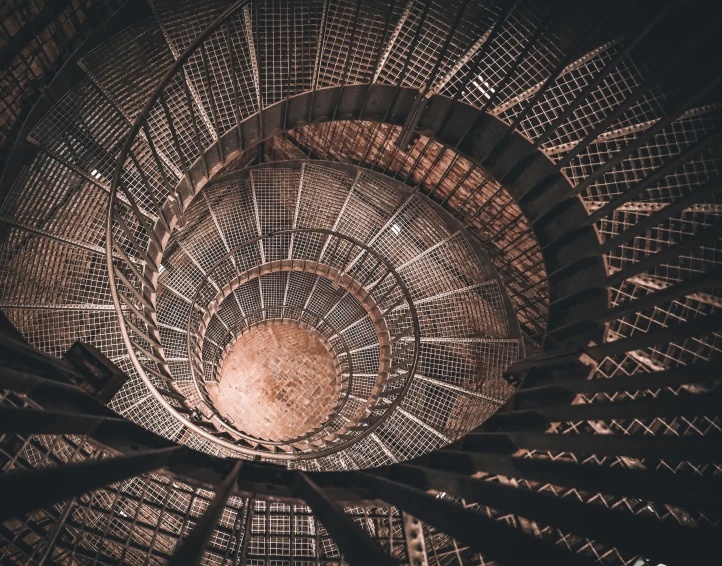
(345,261)
(161,166)
(99,461)
(364,275)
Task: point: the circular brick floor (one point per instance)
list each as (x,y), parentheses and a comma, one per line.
(277,382)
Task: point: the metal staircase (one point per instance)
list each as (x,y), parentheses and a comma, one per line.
(505,162)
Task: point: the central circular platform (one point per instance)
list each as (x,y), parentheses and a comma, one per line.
(277,382)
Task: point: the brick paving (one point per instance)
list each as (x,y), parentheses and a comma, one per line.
(278,382)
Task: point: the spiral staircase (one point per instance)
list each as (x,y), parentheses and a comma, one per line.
(496,224)
(416,318)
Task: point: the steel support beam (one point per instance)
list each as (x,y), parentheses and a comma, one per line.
(689,406)
(495,540)
(685,490)
(26,490)
(356,546)
(676,448)
(646,536)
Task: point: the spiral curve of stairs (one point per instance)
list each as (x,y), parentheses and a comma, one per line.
(491,217)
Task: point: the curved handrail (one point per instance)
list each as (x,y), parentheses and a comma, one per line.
(122,157)
(355,244)
(146,284)
(336,447)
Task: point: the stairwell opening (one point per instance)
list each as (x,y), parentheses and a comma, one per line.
(415,314)
(277,382)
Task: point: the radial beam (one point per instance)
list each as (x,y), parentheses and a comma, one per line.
(191,550)
(356,546)
(496,540)
(27,490)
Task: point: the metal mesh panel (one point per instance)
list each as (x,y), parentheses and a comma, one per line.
(54,330)
(468,191)
(275,196)
(172,309)
(418,438)
(192,135)
(40,271)
(184,20)
(501,54)
(348,58)
(282,71)
(83,129)
(372,205)
(236,216)
(446,409)
(174,342)
(222,75)
(679,135)
(181,273)
(615,87)
(461,362)
(413,229)
(466,39)
(696,261)
(201,241)
(321,185)
(142,49)
(466,313)
(34,202)
(679,352)
(427,50)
